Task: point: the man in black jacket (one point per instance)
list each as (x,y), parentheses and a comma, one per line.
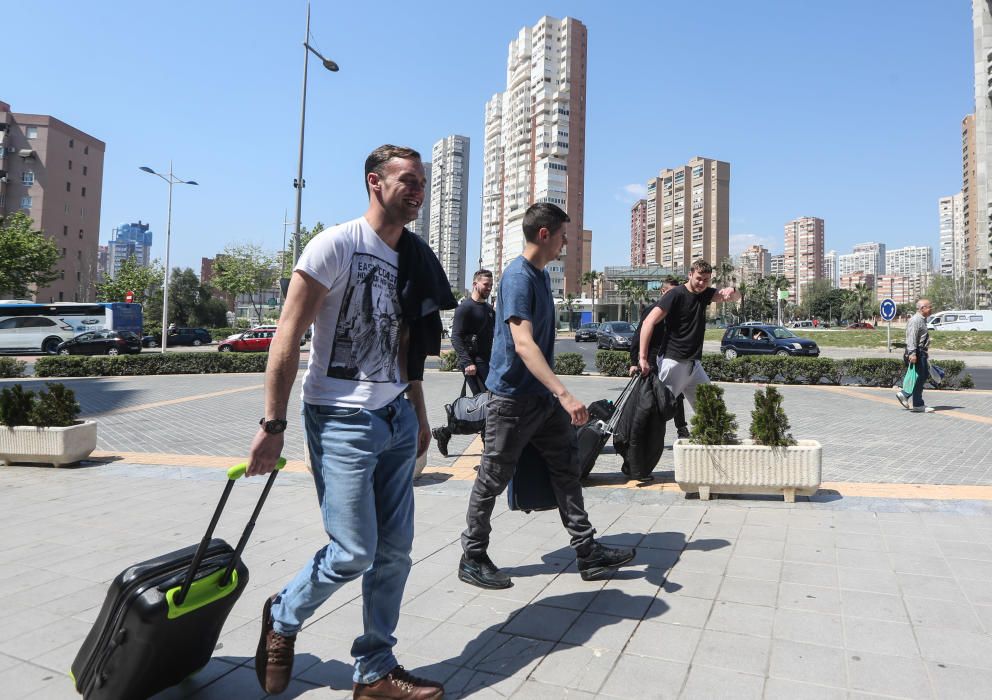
(472,339)
(657,340)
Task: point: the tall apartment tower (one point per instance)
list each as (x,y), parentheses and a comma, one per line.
(910,260)
(830,269)
(53,172)
(449,206)
(129,241)
(691,208)
(803,254)
(778,265)
(421,225)
(755,262)
(981,185)
(638,232)
(970,199)
(952,236)
(535,146)
(872,256)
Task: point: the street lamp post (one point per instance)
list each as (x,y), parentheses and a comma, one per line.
(172,180)
(299,183)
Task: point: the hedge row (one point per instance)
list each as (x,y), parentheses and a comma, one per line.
(11,368)
(164,363)
(797,370)
(565,363)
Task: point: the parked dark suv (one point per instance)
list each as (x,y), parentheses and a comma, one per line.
(765,340)
(180,336)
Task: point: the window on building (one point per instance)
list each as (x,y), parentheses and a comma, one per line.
(68,187)
(65,230)
(31,132)
(70,165)
(66,208)
(80,233)
(79,276)
(26,201)
(62,275)
(86,150)
(83,192)
(79,255)
(84,169)
(72,143)
(27,177)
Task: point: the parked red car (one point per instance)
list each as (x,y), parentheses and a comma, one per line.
(861,324)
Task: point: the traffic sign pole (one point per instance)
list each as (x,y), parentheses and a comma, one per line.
(888,311)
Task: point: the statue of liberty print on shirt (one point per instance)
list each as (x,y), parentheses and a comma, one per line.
(367,330)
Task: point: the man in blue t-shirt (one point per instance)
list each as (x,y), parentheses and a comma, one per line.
(530,405)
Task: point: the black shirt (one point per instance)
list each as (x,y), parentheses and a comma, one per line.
(686,317)
(472,331)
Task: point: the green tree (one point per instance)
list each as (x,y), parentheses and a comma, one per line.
(28,258)
(132,277)
(591,278)
(724,275)
(246,269)
(858,302)
(940,292)
(306,235)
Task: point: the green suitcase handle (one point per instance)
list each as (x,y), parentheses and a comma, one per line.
(239,470)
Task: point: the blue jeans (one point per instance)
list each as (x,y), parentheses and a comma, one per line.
(363,468)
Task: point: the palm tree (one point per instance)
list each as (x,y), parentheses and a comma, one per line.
(859,300)
(591,278)
(569,304)
(626,289)
(724,274)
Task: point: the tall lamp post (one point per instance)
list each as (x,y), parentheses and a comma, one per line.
(299,183)
(172,180)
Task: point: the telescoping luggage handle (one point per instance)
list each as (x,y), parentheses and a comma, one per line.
(233,474)
(621,400)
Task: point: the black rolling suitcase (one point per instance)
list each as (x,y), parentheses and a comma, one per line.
(530,488)
(592,436)
(161,618)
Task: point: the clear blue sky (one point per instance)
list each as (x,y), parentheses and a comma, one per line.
(848,110)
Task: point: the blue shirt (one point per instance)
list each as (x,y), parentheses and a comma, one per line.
(524,293)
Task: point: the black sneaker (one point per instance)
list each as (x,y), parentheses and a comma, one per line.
(683,433)
(601,559)
(442,435)
(482,572)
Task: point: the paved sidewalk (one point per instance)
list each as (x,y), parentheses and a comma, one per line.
(853,593)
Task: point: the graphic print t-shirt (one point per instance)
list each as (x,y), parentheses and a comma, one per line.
(686,322)
(353,354)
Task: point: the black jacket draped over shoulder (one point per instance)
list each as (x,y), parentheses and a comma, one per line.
(424,291)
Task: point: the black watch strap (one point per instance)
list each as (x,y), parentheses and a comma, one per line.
(274,426)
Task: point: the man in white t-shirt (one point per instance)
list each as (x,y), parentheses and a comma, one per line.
(365,421)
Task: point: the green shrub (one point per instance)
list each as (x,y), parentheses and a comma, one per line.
(55,408)
(712,424)
(148,364)
(873,371)
(569,363)
(952,370)
(966,382)
(11,368)
(449,361)
(613,363)
(769,424)
(15,406)
(715,366)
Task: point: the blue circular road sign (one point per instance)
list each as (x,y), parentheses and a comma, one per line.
(888,309)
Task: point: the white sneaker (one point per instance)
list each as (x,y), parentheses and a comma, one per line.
(903,399)
(921,409)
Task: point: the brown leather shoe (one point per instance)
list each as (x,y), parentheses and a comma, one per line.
(398,684)
(274,656)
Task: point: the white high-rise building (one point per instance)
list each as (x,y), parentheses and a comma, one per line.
(421,225)
(866,257)
(535,143)
(909,261)
(449,206)
(952,236)
(981,188)
(831,271)
(755,262)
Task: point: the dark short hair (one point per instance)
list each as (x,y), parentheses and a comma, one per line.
(543,215)
(672,281)
(702,267)
(376,162)
(481,273)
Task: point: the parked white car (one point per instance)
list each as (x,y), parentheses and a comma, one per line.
(33,333)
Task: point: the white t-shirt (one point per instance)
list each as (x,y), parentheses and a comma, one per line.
(353,353)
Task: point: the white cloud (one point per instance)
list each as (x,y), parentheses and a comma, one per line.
(637,189)
(740,241)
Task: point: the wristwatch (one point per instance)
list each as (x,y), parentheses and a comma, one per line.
(274,426)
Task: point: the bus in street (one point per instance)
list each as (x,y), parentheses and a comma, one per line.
(29,327)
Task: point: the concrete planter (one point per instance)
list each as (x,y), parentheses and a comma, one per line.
(749,468)
(55,446)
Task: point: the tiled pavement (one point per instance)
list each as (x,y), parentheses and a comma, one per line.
(830,597)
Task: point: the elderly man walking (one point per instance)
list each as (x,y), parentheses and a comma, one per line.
(917,349)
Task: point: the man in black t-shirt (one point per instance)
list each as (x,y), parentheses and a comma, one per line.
(684,308)
(657,341)
(472,339)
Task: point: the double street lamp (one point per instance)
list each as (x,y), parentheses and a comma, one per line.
(172,180)
(299,183)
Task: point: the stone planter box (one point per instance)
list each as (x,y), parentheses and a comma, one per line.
(55,446)
(749,468)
